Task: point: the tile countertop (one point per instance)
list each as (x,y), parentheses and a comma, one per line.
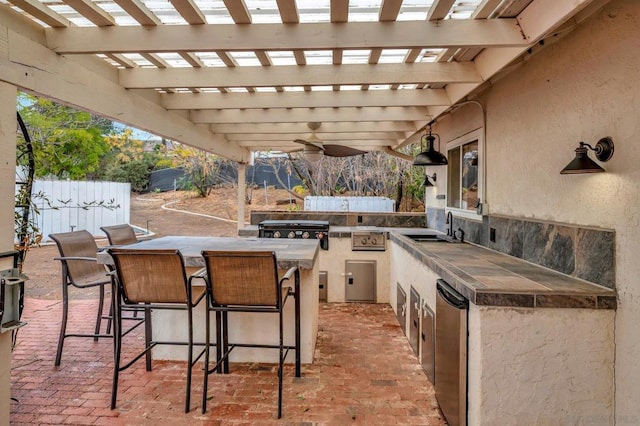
(490,278)
(345,231)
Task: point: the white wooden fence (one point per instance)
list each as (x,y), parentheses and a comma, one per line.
(71,205)
(348,204)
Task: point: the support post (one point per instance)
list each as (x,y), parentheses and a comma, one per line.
(242,193)
(8,126)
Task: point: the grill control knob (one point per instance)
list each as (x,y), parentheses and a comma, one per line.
(364,241)
(305,234)
(374,241)
(277,234)
(291,234)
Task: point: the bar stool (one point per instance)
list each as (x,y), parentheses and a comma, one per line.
(246,281)
(78,252)
(153,280)
(120,235)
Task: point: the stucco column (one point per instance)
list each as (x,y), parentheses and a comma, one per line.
(242,193)
(8,126)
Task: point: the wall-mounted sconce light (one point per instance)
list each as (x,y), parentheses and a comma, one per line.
(583,164)
(430,157)
(428,179)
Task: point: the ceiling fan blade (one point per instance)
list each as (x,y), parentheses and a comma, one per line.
(314,143)
(341,151)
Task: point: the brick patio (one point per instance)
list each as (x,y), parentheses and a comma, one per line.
(364,373)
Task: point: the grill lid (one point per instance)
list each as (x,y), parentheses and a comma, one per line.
(294,224)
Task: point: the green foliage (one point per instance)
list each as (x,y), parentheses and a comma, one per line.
(200,169)
(67,143)
(129,161)
(136,172)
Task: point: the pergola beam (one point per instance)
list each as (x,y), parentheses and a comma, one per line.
(83,84)
(350,98)
(301,115)
(325,128)
(293,75)
(277,37)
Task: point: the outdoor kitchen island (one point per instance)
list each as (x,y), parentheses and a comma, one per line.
(243,327)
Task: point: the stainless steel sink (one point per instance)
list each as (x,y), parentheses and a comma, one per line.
(431,238)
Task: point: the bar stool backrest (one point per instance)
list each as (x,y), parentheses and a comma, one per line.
(243,278)
(120,234)
(79,244)
(150,276)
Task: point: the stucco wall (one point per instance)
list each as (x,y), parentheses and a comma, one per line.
(540,366)
(581,88)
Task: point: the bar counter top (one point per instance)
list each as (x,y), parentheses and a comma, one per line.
(300,253)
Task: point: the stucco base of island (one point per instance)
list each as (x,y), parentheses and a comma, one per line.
(540,366)
(527,365)
(247,328)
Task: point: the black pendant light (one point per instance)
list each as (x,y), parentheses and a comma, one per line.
(583,163)
(430,157)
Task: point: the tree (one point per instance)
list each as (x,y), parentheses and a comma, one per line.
(129,161)
(372,174)
(67,143)
(199,168)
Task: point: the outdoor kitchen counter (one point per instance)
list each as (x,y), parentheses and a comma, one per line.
(346,231)
(300,253)
(243,327)
(490,278)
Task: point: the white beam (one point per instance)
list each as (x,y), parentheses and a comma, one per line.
(345,98)
(304,116)
(537,20)
(542,16)
(190,11)
(439,9)
(288,11)
(325,128)
(138,11)
(326,137)
(293,75)
(33,67)
(339,10)
(39,11)
(389,10)
(289,145)
(92,12)
(326,36)
(238,11)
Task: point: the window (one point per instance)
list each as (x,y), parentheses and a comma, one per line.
(464,173)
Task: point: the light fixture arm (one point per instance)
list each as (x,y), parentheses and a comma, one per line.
(603,149)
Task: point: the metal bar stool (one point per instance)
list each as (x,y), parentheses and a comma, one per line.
(153,280)
(247,281)
(120,235)
(79,269)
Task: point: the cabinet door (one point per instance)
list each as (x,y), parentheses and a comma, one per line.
(360,281)
(427,357)
(401,307)
(414,320)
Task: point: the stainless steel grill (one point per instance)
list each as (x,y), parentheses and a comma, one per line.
(304,229)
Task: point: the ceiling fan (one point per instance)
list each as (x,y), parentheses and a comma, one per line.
(314,148)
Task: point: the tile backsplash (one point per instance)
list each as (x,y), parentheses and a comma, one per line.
(582,252)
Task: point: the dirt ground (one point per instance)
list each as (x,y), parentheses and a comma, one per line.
(146,210)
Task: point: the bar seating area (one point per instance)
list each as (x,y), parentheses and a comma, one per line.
(153,280)
(353,380)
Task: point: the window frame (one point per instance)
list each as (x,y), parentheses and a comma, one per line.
(475,135)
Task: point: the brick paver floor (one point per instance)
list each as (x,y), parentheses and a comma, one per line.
(364,373)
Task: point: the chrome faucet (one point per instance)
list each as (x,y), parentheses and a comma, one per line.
(450,232)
